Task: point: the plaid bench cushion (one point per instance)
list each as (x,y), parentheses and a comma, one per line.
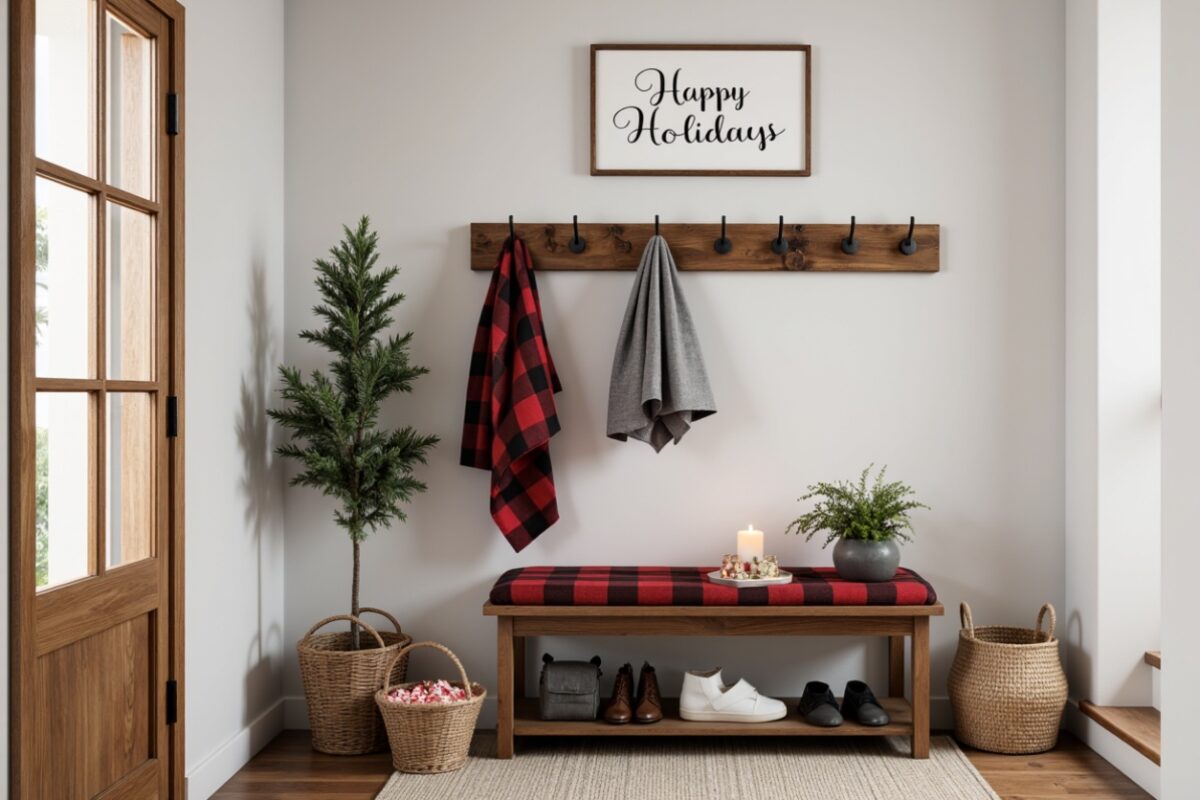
(690,586)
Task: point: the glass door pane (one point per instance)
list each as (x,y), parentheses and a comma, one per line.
(65,508)
(130,115)
(130,294)
(65,293)
(130,477)
(65,84)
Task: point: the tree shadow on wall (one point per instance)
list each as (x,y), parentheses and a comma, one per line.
(261,489)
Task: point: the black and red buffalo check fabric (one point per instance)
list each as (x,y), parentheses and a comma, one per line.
(690,586)
(510,414)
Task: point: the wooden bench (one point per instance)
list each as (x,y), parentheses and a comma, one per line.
(518,715)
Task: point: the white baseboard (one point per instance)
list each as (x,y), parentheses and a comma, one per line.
(1139,769)
(220,765)
(295,714)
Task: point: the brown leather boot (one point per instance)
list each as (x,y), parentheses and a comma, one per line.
(620,707)
(649,701)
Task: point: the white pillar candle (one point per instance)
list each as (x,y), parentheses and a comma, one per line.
(750,544)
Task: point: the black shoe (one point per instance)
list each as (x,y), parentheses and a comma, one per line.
(818,706)
(859,704)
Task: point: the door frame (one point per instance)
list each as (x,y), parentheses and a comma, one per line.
(22,449)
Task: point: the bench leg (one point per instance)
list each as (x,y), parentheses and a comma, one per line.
(504,687)
(920,687)
(895,666)
(519,667)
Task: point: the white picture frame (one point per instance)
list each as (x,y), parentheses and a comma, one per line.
(701,109)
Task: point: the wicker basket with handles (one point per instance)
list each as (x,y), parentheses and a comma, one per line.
(340,683)
(434,737)
(1007,686)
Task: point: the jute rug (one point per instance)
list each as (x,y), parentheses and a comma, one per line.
(708,769)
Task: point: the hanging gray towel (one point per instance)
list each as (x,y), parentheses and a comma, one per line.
(659,386)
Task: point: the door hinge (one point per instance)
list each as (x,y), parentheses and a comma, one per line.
(172,416)
(172,114)
(172,702)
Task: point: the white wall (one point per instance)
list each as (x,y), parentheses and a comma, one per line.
(1081,622)
(233,119)
(1181,395)
(1113,389)
(1113,319)
(430,116)
(1129,334)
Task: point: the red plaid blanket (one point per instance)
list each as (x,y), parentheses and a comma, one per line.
(510,414)
(690,586)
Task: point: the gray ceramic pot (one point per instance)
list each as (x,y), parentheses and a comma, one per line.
(862,560)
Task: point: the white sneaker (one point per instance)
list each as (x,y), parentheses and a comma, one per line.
(705,698)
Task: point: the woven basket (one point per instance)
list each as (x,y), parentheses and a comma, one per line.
(435,737)
(340,683)
(1007,686)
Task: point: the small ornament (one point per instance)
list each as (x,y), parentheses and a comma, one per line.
(769,568)
(729,563)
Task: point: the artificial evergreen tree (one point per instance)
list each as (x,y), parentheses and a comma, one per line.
(334,419)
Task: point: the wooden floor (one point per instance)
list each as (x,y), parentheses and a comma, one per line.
(1071,770)
(288,768)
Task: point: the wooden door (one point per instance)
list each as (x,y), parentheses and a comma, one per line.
(96,372)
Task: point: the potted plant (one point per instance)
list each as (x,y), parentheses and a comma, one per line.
(867,520)
(342,451)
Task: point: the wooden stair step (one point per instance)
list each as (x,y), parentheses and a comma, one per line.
(1153,658)
(1137,726)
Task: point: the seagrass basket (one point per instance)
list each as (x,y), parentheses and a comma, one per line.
(1007,686)
(340,683)
(436,737)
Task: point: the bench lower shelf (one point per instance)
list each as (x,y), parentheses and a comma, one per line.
(516,718)
(528,723)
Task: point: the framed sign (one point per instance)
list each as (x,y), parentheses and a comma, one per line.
(701,109)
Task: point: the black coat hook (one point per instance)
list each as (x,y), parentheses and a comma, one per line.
(778,245)
(850,244)
(908,245)
(512,233)
(723,245)
(656,224)
(577,244)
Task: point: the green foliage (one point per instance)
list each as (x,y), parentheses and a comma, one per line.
(334,418)
(42,516)
(41,262)
(854,510)
(41,252)
(42,467)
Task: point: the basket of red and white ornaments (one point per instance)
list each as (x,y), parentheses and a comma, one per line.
(430,723)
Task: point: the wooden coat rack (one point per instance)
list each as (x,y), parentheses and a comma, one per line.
(809,248)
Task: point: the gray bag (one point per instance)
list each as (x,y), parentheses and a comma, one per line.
(569,689)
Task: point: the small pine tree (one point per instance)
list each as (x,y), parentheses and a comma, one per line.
(334,420)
